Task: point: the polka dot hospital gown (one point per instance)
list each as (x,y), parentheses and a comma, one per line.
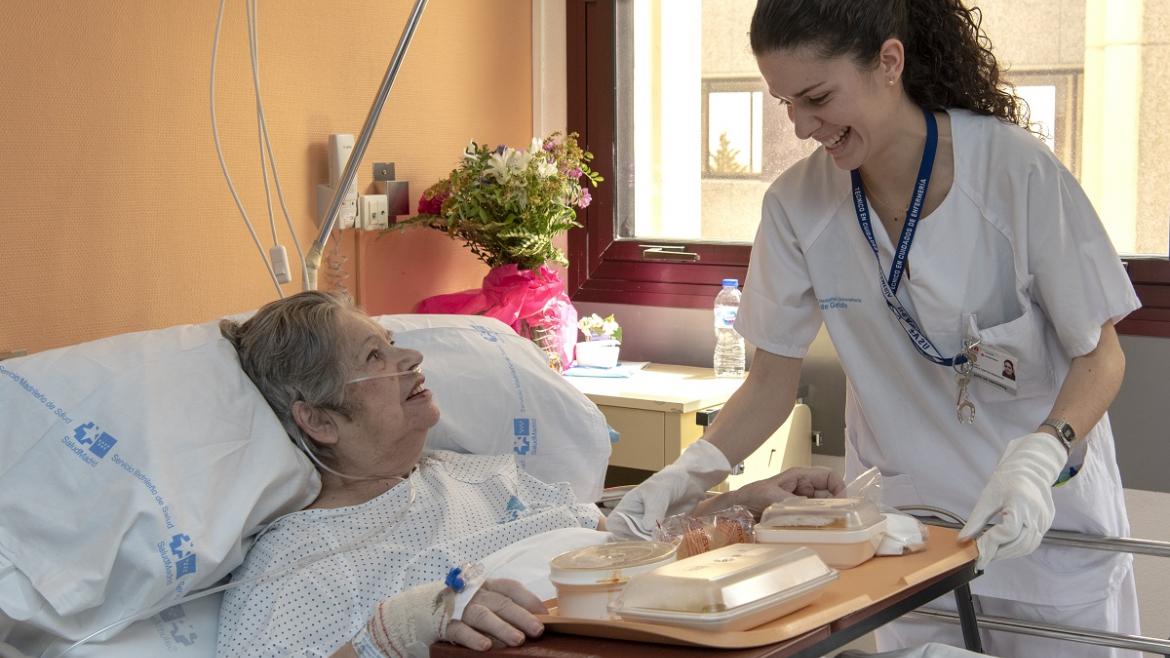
(464,508)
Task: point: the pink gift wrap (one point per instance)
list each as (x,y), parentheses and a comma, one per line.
(527,300)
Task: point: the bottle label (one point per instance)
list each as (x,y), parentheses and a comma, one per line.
(725,317)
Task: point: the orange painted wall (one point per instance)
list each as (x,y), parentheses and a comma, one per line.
(114,215)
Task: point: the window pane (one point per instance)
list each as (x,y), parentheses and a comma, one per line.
(698,140)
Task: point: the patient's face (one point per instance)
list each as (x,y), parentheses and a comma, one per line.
(389,416)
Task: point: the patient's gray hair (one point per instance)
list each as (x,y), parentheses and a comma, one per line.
(291,350)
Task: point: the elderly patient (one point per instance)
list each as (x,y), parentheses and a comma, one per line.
(361,571)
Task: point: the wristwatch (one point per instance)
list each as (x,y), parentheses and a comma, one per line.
(1064,432)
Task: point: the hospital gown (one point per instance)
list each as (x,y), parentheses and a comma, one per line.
(463,508)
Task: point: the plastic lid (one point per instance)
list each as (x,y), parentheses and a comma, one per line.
(607,562)
(725,578)
(821,514)
(731,283)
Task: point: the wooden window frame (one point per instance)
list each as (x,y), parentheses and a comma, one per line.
(604,268)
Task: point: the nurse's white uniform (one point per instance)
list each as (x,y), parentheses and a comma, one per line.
(1016,256)
(462,509)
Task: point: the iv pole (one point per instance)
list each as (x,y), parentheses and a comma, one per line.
(313,259)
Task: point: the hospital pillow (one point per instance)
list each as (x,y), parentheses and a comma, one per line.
(497,395)
(133,470)
(187,630)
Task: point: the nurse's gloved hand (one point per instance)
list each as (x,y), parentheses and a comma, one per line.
(673,490)
(804,481)
(1020,492)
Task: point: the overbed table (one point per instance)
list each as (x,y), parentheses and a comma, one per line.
(819,641)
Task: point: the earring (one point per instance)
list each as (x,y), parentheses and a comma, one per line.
(891,82)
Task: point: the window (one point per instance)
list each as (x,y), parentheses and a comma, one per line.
(667,96)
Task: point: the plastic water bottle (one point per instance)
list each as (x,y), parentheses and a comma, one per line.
(729,355)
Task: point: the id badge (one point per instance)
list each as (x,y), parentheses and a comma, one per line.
(995,365)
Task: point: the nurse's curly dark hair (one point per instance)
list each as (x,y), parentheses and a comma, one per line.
(949,62)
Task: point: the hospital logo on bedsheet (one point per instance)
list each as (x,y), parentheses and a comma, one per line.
(181,546)
(486,334)
(513,510)
(89,436)
(523,436)
(173,626)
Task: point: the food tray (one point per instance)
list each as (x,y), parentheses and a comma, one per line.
(854,590)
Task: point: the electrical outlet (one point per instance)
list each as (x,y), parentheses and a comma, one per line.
(373,214)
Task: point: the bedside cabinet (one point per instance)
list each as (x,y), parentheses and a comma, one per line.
(657,412)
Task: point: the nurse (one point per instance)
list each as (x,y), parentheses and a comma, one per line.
(937,239)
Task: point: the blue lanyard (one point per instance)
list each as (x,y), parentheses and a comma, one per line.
(890,287)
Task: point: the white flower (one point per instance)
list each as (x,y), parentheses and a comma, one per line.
(536,146)
(500,165)
(469,153)
(546,169)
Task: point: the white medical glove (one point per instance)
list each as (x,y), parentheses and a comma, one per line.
(409,623)
(802,481)
(675,489)
(1020,491)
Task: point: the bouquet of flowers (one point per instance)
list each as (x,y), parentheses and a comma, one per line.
(507,204)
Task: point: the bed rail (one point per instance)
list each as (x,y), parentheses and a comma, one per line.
(1056,631)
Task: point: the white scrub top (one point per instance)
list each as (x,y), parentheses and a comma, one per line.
(463,508)
(1016,256)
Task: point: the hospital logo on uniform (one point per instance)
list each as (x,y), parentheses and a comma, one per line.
(513,510)
(523,436)
(837,303)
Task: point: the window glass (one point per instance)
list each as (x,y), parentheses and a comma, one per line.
(698,139)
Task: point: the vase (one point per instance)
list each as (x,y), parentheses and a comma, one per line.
(532,302)
(598,353)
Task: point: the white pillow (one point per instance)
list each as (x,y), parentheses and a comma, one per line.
(187,630)
(497,395)
(133,470)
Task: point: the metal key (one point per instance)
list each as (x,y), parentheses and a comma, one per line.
(964,407)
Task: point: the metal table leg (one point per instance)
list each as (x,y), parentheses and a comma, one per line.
(967,620)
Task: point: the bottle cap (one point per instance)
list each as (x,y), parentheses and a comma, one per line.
(731,283)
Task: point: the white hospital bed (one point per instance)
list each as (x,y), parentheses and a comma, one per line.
(136,469)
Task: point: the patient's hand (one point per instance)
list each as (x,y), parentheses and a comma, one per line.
(501,611)
(809,482)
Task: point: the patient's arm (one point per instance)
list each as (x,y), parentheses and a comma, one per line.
(406,624)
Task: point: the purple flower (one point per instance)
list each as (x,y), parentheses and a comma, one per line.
(574,173)
(500,149)
(585,199)
(549,145)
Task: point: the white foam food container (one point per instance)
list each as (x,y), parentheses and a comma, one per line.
(732,588)
(844,531)
(590,580)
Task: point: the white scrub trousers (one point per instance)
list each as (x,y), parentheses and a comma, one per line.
(1119,611)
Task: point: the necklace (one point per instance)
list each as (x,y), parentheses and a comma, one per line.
(885,205)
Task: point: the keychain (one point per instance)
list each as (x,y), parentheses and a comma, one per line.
(964,407)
